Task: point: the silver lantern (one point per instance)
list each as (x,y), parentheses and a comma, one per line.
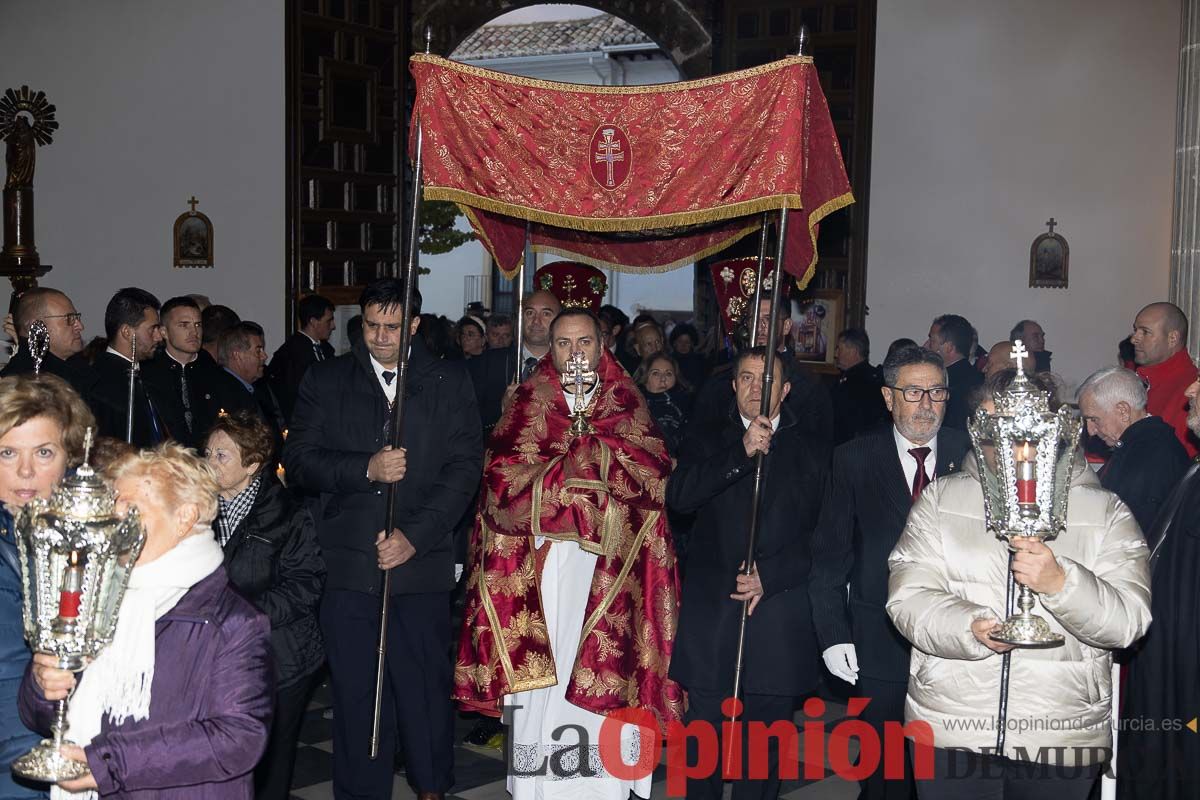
(76,555)
(1026,482)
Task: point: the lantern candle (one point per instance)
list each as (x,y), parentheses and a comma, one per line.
(72,586)
(1026,476)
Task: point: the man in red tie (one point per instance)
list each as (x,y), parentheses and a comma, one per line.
(1159,340)
(873,483)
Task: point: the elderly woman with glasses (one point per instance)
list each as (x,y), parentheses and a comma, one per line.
(179,705)
(272,557)
(42,426)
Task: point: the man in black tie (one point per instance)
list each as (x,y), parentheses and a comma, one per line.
(493,371)
(873,483)
(337,446)
(184,369)
(302,349)
(951,337)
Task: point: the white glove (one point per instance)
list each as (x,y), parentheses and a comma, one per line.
(842,661)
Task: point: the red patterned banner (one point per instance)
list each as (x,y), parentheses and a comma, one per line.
(632,177)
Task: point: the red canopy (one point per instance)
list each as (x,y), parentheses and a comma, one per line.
(634,178)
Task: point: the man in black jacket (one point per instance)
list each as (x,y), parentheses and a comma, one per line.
(857,405)
(873,483)
(715,480)
(1147,459)
(952,337)
(337,446)
(808,398)
(65,326)
(130,318)
(183,369)
(301,350)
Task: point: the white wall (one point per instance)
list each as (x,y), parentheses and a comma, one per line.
(157,100)
(991,117)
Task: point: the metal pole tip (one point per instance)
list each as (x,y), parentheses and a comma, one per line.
(428,39)
(802,40)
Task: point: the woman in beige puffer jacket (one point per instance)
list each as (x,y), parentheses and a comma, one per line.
(947,571)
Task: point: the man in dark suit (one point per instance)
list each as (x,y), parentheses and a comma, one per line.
(952,338)
(131,318)
(65,326)
(715,480)
(493,371)
(301,350)
(857,405)
(873,483)
(242,354)
(183,369)
(808,398)
(337,446)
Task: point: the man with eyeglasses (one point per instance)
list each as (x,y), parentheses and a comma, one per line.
(65,326)
(874,481)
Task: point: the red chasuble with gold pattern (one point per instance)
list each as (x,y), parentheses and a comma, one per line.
(604,491)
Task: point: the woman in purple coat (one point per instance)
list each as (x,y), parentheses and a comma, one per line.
(179,705)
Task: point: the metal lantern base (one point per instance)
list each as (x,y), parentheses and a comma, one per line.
(45,763)
(1026,630)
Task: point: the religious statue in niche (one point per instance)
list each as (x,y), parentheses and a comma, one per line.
(193,238)
(1048,259)
(26,121)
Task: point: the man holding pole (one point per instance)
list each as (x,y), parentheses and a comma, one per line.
(338,446)
(715,481)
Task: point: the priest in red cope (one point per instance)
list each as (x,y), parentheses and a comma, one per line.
(572,597)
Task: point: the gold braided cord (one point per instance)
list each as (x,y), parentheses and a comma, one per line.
(556,86)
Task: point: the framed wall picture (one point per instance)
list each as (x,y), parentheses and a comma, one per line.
(193,238)
(1049,257)
(818,316)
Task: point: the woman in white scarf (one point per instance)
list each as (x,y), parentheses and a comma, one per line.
(181,632)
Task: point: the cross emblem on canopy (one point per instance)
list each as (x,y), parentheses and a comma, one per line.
(1019,354)
(610,152)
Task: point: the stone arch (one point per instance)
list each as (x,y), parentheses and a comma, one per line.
(682,28)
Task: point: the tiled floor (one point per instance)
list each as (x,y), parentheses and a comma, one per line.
(479,771)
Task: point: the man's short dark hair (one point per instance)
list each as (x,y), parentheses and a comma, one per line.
(215,321)
(568,313)
(236,339)
(184,301)
(1000,381)
(388,293)
(498,321)
(127,307)
(761,354)
(615,317)
(858,339)
(32,307)
(907,357)
(312,306)
(957,331)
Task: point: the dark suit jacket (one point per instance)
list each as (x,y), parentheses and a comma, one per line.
(1144,468)
(858,405)
(74,370)
(288,365)
(229,394)
(338,424)
(110,401)
(166,374)
(715,480)
(963,380)
(491,373)
(865,510)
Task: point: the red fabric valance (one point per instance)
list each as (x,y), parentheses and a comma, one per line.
(634,177)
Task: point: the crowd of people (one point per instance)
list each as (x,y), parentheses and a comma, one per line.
(583,503)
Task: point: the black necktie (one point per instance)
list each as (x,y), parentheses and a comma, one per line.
(527,370)
(388,376)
